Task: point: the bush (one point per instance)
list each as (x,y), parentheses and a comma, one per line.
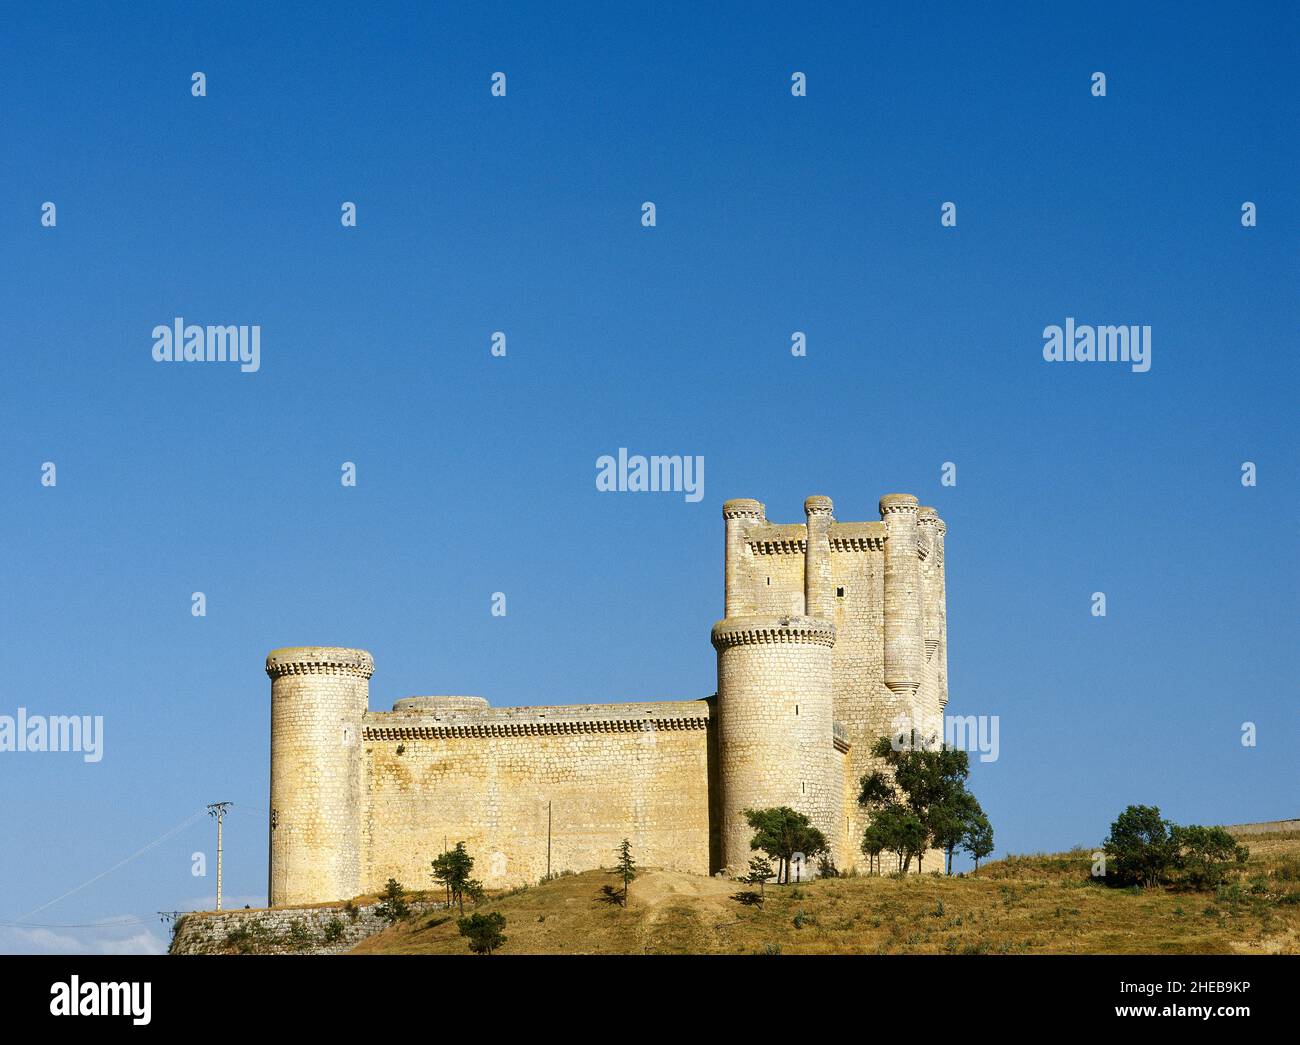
(1204,855)
(392,906)
(1140,848)
(333,932)
(483,931)
(298,933)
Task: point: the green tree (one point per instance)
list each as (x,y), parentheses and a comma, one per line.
(874,842)
(1140,848)
(392,904)
(978,839)
(760,870)
(903,833)
(952,819)
(1204,854)
(626,866)
(781,832)
(452,870)
(483,931)
(928,781)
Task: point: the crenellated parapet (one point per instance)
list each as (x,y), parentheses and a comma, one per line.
(439,717)
(319,660)
(743,508)
(765,630)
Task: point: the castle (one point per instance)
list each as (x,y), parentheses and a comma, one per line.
(832,631)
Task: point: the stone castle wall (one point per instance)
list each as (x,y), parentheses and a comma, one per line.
(832,633)
(495,777)
(320,929)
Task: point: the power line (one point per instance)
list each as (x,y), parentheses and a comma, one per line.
(121,863)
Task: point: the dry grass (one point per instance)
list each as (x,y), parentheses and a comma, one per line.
(1021,905)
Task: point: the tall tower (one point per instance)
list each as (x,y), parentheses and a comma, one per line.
(775,706)
(318,697)
(904,640)
(934,602)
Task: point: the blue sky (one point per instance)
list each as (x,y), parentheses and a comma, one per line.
(476,475)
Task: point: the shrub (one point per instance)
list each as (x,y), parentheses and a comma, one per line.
(333,931)
(1140,848)
(1204,854)
(298,934)
(392,906)
(483,931)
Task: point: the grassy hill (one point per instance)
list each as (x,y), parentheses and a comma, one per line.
(1020,905)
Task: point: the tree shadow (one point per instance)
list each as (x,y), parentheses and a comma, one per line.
(749,898)
(611,895)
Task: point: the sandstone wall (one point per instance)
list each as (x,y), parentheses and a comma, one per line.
(323,929)
(318,696)
(775,728)
(488,777)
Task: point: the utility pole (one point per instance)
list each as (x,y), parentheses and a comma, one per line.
(548,840)
(169,918)
(218,810)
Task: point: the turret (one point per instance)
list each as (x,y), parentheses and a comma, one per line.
(775,705)
(739,515)
(318,697)
(818,585)
(775,727)
(904,642)
(935,602)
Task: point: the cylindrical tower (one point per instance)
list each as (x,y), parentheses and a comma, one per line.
(818,585)
(318,697)
(775,727)
(936,602)
(904,642)
(739,514)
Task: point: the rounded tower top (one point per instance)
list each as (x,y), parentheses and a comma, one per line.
(927,516)
(770,628)
(319,660)
(898,502)
(744,508)
(818,505)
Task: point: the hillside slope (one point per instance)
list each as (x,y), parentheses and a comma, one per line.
(1024,904)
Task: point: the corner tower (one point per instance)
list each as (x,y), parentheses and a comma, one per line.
(318,697)
(775,705)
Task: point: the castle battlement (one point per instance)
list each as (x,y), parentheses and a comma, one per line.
(830,630)
(537,721)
